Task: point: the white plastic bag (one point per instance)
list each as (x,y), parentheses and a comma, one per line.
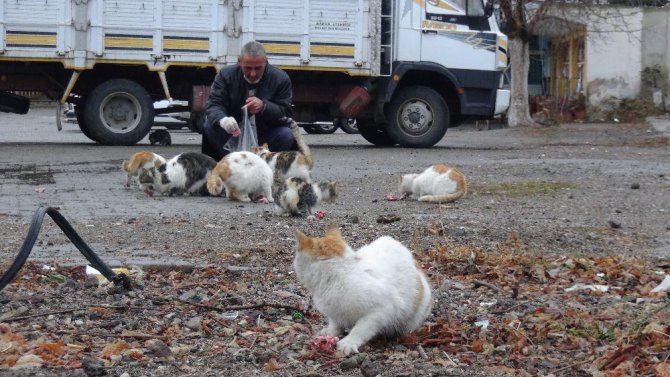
(248,135)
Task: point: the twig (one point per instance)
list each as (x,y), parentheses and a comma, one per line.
(479,283)
(240,307)
(45,314)
(571,366)
(422,352)
(112,335)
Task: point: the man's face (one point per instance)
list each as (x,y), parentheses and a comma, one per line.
(252,67)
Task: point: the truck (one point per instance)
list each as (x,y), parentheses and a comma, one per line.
(405,70)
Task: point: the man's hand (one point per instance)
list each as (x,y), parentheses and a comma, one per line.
(254,105)
(229,124)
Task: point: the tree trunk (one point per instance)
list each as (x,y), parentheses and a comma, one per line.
(519,110)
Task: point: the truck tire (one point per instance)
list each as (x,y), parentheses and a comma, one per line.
(374,133)
(418,117)
(118,112)
(347,125)
(325,128)
(81,122)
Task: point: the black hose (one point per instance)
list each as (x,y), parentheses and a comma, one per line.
(65,226)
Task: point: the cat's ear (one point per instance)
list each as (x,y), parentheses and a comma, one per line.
(304,242)
(254,149)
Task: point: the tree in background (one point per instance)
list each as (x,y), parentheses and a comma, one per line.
(525,18)
(521,17)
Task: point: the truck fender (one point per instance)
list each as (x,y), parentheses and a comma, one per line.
(386,89)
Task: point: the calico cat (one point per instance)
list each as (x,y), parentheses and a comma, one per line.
(184,173)
(161,137)
(242,174)
(297,196)
(289,163)
(138,161)
(375,290)
(439,183)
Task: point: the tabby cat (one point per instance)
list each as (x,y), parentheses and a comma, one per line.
(289,163)
(297,196)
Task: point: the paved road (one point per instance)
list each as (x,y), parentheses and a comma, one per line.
(40,166)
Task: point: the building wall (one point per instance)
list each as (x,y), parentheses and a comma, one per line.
(656,47)
(613,54)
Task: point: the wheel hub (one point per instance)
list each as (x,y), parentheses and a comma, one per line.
(416,117)
(119,113)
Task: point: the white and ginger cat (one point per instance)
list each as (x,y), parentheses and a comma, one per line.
(375,290)
(297,196)
(138,161)
(439,183)
(289,163)
(243,174)
(184,173)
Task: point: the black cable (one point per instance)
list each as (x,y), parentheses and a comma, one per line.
(65,226)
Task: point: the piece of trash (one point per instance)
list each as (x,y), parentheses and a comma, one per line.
(39,189)
(263,200)
(592,287)
(47,267)
(391,197)
(93,272)
(483,324)
(55,277)
(297,316)
(319,215)
(230,315)
(664,286)
(325,344)
(487,304)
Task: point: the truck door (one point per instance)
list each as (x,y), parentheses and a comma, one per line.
(454,34)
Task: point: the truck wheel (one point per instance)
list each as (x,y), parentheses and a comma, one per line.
(325,128)
(119,112)
(310,129)
(418,117)
(81,122)
(375,134)
(347,125)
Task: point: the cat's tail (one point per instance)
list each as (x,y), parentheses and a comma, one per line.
(302,145)
(215,181)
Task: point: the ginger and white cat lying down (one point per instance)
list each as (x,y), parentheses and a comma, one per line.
(375,290)
(439,183)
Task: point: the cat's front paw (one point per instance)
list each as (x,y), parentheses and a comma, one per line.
(347,346)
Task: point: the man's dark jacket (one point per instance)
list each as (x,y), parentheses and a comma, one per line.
(230,90)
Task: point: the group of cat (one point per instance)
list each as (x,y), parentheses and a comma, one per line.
(376,290)
(241,176)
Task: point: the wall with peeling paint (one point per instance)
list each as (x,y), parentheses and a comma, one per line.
(613,55)
(656,45)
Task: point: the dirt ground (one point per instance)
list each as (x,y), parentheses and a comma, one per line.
(215,294)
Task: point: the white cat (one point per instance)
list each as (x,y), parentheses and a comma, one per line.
(375,290)
(440,183)
(184,173)
(242,174)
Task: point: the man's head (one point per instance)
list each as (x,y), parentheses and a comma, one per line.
(252,60)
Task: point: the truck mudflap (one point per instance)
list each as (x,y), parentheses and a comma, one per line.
(502,101)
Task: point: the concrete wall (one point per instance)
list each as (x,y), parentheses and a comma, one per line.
(656,45)
(613,54)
